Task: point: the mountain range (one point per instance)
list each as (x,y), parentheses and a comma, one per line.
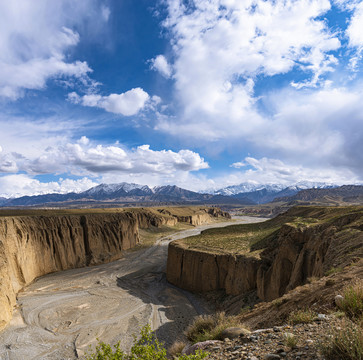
(135,194)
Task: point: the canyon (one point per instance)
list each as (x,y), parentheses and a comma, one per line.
(303,243)
(33,244)
(57,316)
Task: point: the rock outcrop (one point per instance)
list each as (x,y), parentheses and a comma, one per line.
(296,254)
(32,246)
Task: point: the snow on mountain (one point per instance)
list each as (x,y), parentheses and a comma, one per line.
(112,188)
(271,188)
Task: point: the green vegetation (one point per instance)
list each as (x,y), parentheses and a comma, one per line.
(344,343)
(209,327)
(147,347)
(149,236)
(333,270)
(302,317)
(352,303)
(253,238)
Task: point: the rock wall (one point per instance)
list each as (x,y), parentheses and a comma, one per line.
(201,271)
(298,253)
(32,246)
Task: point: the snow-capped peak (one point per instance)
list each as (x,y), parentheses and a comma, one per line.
(111,188)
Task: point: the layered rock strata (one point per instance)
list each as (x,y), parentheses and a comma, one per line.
(32,246)
(298,253)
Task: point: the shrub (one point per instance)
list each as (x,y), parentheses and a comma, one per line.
(290,340)
(302,316)
(147,347)
(177,348)
(352,303)
(209,327)
(344,343)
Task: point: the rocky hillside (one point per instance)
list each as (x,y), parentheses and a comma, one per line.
(270,258)
(35,243)
(346,194)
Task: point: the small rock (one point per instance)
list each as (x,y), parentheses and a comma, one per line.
(271,357)
(322,316)
(234,332)
(339,300)
(189,350)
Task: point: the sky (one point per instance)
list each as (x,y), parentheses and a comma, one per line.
(202,94)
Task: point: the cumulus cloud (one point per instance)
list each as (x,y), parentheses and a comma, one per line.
(275,171)
(159,63)
(31,55)
(85,158)
(17,185)
(128,103)
(221,48)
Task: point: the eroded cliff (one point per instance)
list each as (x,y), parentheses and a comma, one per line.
(31,246)
(296,246)
(36,243)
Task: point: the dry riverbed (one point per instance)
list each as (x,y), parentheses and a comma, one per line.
(60,315)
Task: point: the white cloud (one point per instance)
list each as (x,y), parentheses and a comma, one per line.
(105,12)
(222,47)
(274,171)
(35,38)
(159,63)
(17,185)
(85,158)
(128,103)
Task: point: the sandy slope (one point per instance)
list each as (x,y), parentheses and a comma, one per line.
(61,314)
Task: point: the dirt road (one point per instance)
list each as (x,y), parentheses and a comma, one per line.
(60,315)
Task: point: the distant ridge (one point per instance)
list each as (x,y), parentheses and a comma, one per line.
(261,194)
(130,194)
(125,193)
(345,194)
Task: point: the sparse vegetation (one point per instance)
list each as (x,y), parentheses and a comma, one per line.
(352,303)
(177,348)
(302,317)
(209,327)
(147,347)
(290,340)
(278,302)
(344,343)
(333,270)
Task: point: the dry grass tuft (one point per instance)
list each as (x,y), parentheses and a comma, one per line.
(209,327)
(177,348)
(302,317)
(344,343)
(352,303)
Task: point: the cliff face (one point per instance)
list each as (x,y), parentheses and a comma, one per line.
(202,271)
(31,246)
(298,253)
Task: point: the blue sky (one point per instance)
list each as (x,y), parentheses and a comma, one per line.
(202,94)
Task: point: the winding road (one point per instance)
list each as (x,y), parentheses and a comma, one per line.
(60,315)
